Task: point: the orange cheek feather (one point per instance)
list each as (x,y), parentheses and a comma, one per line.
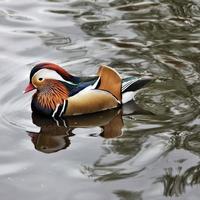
(56,94)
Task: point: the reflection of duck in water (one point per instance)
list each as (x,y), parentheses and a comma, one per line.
(61,94)
(54,134)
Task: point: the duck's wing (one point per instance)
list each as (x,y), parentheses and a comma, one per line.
(83,79)
(107,79)
(87,78)
(90,101)
(93,96)
(103,94)
(110,81)
(83,86)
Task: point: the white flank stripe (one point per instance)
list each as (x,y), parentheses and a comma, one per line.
(55,111)
(62,108)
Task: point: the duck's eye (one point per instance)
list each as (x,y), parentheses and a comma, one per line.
(40,79)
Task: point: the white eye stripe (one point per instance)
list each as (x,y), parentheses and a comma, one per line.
(50,74)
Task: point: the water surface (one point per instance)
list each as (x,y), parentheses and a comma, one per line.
(151,154)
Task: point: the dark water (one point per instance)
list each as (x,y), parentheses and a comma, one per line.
(145,155)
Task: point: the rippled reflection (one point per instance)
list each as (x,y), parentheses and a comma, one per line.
(176,184)
(55,134)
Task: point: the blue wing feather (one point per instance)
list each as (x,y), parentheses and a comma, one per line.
(83,85)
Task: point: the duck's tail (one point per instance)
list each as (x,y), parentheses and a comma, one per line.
(131,85)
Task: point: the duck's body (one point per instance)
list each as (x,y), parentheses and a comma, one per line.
(61,94)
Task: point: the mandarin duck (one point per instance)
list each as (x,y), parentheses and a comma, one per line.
(60,93)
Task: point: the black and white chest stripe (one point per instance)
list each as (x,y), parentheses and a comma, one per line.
(60,109)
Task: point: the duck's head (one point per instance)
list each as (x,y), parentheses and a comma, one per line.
(44,73)
(53,86)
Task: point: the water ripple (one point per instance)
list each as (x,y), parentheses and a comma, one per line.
(159,147)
